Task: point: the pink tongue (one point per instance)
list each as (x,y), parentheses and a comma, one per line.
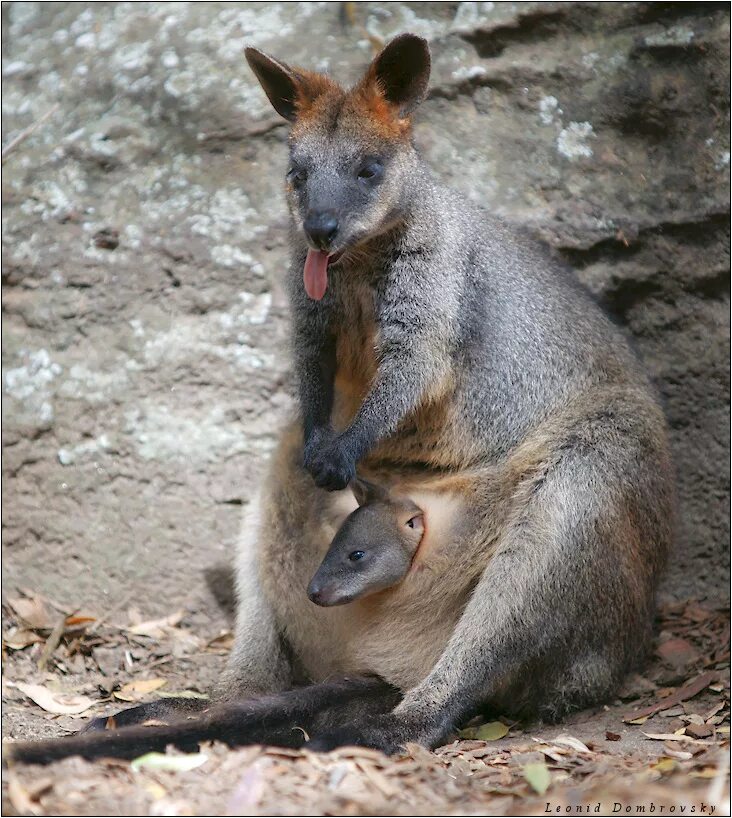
(315,274)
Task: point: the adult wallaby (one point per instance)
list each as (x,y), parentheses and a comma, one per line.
(434,346)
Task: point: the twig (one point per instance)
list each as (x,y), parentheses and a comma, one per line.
(24,134)
(52,642)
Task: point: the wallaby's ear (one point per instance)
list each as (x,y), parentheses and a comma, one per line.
(277,79)
(402,72)
(366,492)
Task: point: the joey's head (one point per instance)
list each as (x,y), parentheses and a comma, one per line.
(351,154)
(372,550)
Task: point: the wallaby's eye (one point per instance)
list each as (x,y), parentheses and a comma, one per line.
(355,556)
(297,177)
(413,522)
(370,171)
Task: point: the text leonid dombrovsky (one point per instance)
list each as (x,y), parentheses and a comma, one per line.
(622,808)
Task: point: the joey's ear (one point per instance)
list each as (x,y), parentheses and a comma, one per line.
(402,72)
(290,91)
(366,492)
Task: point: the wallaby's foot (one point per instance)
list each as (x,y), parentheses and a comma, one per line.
(163,710)
(389,733)
(332,464)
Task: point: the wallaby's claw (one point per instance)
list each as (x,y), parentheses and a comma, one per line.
(332,465)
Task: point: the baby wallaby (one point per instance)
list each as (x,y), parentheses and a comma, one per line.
(372,550)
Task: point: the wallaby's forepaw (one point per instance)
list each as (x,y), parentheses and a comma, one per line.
(332,463)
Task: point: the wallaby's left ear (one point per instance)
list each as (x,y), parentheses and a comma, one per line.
(366,492)
(402,71)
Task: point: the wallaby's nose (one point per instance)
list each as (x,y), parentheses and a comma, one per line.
(321,227)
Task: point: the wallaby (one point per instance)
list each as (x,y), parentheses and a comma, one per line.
(372,550)
(432,342)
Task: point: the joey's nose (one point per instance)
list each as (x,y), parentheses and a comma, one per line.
(321,228)
(314,593)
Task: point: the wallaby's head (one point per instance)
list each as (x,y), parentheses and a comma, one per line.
(351,154)
(372,550)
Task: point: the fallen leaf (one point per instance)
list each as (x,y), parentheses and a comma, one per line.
(538,776)
(61,704)
(32,611)
(707,772)
(73,621)
(20,797)
(156,628)
(155,790)
(17,639)
(134,691)
(699,730)
(612,736)
(687,692)
(182,694)
(641,720)
(677,652)
(674,737)
(492,731)
(664,765)
(682,755)
(574,743)
(169,763)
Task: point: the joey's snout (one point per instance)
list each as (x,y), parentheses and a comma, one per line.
(321,228)
(324,596)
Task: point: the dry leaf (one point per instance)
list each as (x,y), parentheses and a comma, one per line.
(156,628)
(134,691)
(574,743)
(169,763)
(32,611)
(61,704)
(664,765)
(182,694)
(707,772)
(687,692)
(17,639)
(612,736)
(492,731)
(673,737)
(538,776)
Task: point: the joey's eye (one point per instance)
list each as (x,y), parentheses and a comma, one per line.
(297,177)
(370,171)
(355,556)
(412,522)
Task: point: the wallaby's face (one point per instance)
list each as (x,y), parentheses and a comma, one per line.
(371,551)
(351,156)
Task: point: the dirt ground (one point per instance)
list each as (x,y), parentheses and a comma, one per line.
(663,741)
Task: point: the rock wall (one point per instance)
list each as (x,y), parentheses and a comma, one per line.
(144,331)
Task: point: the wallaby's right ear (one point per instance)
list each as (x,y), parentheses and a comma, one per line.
(366,492)
(290,91)
(278,80)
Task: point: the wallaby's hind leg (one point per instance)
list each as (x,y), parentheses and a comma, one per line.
(283,719)
(569,590)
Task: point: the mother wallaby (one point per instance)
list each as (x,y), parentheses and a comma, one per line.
(436,347)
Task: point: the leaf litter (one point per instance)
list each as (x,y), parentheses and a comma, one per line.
(498,767)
